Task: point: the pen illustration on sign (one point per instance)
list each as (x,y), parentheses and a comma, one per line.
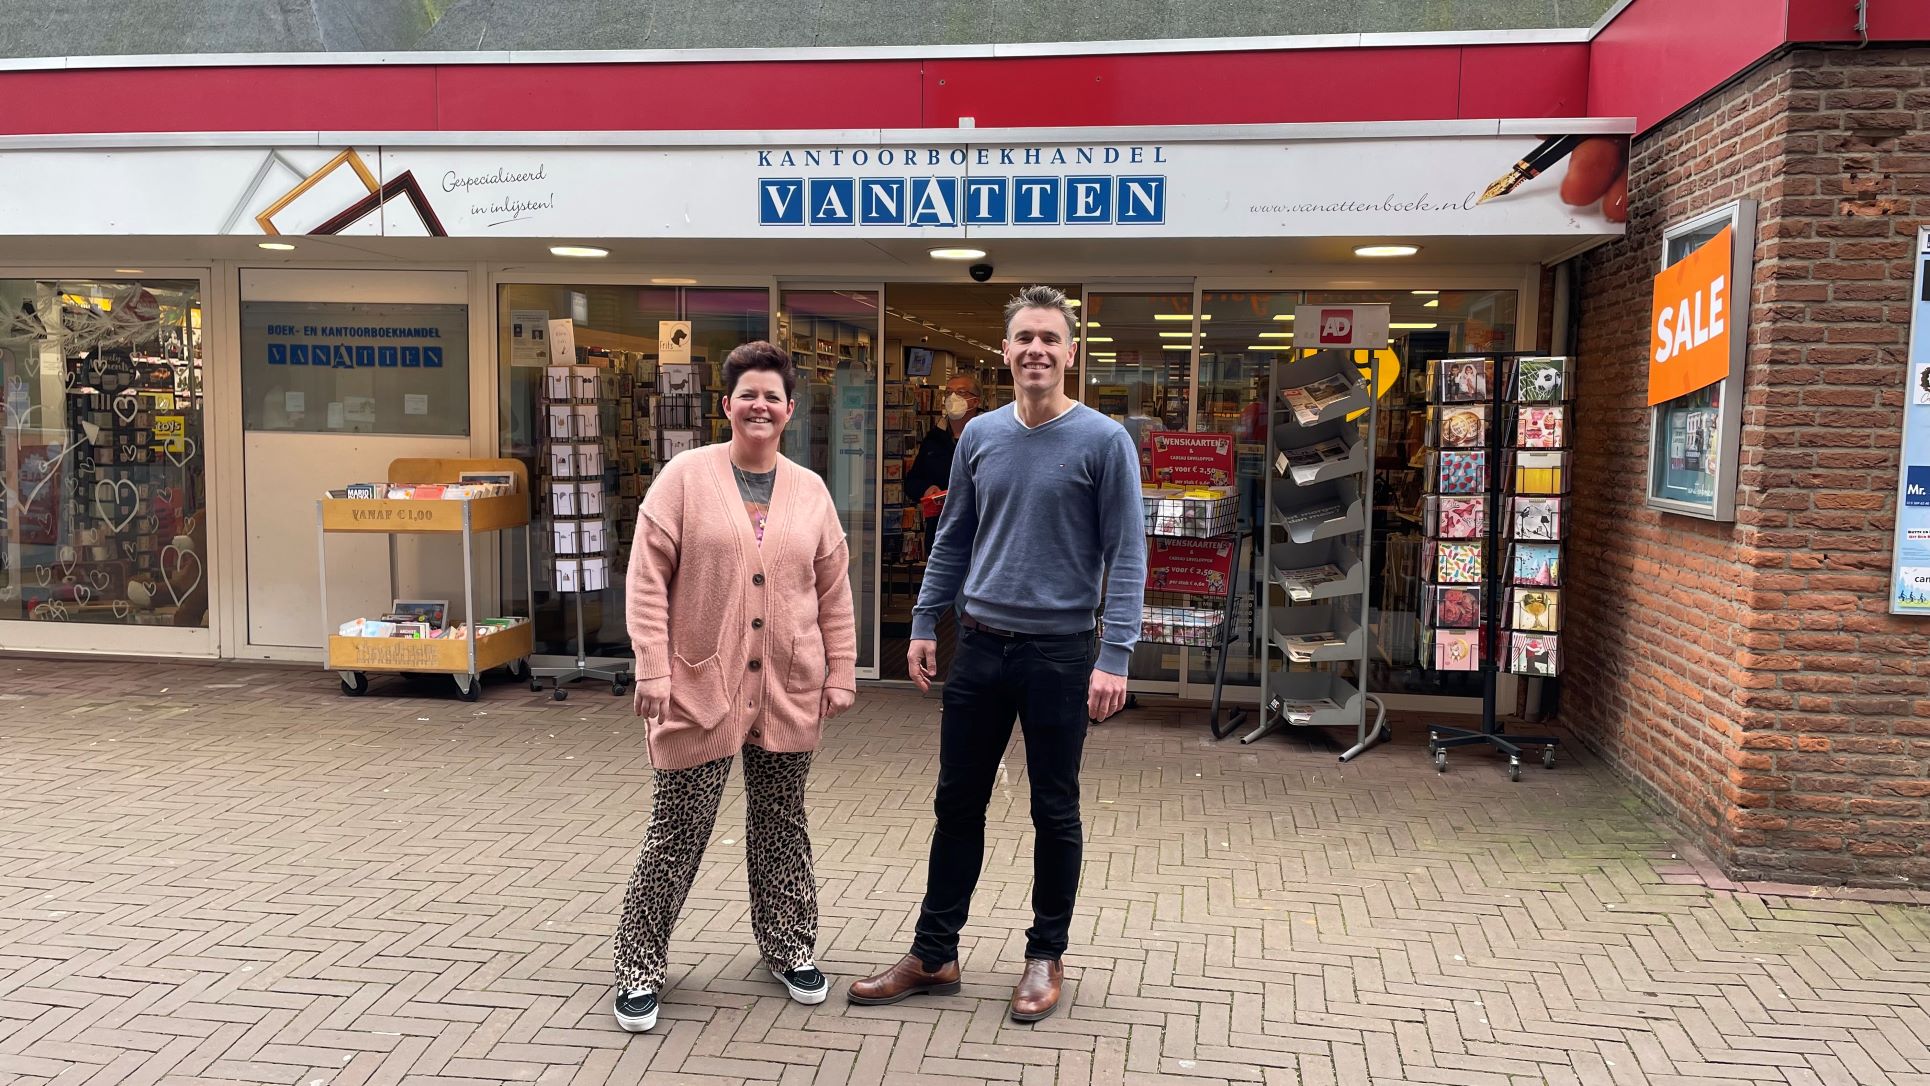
(1597,173)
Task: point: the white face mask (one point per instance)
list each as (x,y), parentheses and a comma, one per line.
(956,406)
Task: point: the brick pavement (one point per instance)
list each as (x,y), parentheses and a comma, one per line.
(232,874)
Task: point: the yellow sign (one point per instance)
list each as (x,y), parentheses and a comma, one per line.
(171,433)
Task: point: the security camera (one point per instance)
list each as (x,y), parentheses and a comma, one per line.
(981,272)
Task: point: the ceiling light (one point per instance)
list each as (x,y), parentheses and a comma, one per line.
(1180,316)
(958,254)
(1424,293)
(1268,347)
(577,250)
(673,281)
(278,246)
(1386,250)
(1074,302)
(129,271)
(1177,335)
(1099,339)
(1283,316)
(1177,346)
(1413,327)
(1092,324)
(1435,304)
(1276,335)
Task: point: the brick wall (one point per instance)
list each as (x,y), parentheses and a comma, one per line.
(1746,675)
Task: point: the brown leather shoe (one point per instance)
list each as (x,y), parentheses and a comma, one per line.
(1037,994)
(904,980)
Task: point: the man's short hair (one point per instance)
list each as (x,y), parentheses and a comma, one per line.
(1041,297)
(759,355)
(970,379)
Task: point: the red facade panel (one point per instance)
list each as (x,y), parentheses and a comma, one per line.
(262,99)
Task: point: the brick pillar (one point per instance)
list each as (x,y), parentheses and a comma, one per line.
(1746,675)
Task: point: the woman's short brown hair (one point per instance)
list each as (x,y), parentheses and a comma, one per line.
(759,355)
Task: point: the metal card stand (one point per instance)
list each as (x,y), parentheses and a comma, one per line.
(1320,514)
(1494,586)
(559,669)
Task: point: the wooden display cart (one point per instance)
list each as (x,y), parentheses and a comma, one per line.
(463,659)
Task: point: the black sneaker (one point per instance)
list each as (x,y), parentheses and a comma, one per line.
(636,1009)
(807,984)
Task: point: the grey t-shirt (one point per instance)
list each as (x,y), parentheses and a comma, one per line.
(755,489)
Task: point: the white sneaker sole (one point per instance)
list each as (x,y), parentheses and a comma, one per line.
(809,999)
(638,1024)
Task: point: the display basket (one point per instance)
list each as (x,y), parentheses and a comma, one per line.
(1170,514)
(1178,618)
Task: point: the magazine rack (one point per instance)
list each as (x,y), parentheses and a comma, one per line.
(1313,604)
(580,535)
(1493,634)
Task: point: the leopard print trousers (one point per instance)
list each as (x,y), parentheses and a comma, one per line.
(777,845)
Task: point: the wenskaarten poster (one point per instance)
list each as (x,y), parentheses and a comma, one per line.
(1910,557)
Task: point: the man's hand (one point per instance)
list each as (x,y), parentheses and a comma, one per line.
(932,490)
(652,697)
(1105,695)
(835,702)
(922,661)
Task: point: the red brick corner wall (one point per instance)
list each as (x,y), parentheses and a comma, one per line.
(1746,676)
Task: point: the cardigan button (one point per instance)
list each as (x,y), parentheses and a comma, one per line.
(757,624)
(757,665)
(757,578)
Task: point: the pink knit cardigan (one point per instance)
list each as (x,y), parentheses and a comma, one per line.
(750,636)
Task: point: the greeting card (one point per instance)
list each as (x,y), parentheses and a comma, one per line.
(1541,427)
(1457,650)
(1463,426)
(1461,517)
(1534,654)
(1456,607)
(1463,471)
(1537,518)
(1536,609)
(1537,564)
(1458,563)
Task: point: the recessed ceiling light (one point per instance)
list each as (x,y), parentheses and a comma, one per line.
(1418,327)
(577,250)
(1276,335)
(673,281)
(1074,302)
(1180,316)
(1099,339)
(1424,293)
(1283,316)
(1177,346)
(278,246)
(958,254)
(1092,324)
(1268,347)
(1386,250)
(1177,335)
(129,271)
(1435,304)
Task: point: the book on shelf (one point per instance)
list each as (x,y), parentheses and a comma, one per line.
(1309,400)
(1300,648)
(1301,583)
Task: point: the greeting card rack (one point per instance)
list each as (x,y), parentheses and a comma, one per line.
(579,538)
(1504,465)
(1313,600)
(1194,547)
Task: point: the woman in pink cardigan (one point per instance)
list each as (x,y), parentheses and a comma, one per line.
(740,613)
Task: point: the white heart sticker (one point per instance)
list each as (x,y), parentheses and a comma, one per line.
(122,609)
(168,576)
(112,489)
(126,406)
(99,579)
(66,555)
(45,574)
(82,595)
(181,459)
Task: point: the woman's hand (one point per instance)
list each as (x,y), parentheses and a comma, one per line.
(835,702)
(652,697)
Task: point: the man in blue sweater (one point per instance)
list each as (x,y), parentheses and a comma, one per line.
(1043,512)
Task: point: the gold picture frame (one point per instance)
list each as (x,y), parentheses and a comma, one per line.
(349,158)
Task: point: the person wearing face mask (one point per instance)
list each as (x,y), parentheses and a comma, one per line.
(739,608)
(932,470)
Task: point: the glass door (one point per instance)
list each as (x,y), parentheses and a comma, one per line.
(833,334)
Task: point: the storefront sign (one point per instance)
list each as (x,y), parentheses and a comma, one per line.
(1192,459)
(1366,183)
(1689,345)
(1189,565)
(1340,326)
(1910,552)
(673,343)
(171,433)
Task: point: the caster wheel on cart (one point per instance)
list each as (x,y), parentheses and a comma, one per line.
(354,684)
(471,691)
(1514,769)
(617,687)
(560,694)
(535,686)
(1440,761)
(1547,757)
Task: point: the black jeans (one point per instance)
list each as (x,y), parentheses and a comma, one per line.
(1042,681)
